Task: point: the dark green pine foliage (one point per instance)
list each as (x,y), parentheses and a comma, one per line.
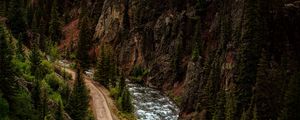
(2,8)
(59,114)
(126,101)
(84,39)
(113,72)
(4,108)
(103,68)
(248,58)
(54,25)
(35,62)
(16,18)
(121,86)
(79,100)
(8,83)
(292,98)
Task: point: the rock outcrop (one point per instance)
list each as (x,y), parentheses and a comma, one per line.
(233,58)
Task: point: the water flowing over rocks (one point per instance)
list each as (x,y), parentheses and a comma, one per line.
(151,104)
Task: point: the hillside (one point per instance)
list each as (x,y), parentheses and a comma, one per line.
(230,59)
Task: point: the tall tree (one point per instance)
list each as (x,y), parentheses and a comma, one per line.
(102,73)
(79,100)
(2,8)
(84,39)
(35,62)
(54,25)
(7,80)
(16,17)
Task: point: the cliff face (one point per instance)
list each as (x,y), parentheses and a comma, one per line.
(227,59)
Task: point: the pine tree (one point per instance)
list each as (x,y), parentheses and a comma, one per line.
(54,25)
(84,39)
(121,86)
(35,62)
(79,100)
(8,83)
(2,8)
(248,58)
(16,17)
(59,115)
(102,70)
(126,102)
(292,98)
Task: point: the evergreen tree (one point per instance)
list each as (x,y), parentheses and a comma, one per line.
(2,8)
(126,101)
(20,51)
(8,83)
(102,70)
(247,58)
(16,17)
(84,40)
(35,61)
(59,115)
(4,108)
(79,100)
(292,98)
(22,107)
(122,85)
(54,25)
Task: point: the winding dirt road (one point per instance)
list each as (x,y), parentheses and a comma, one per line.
(99,103)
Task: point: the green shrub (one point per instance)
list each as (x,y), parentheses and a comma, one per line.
(114,92)
(138,73)
(4,108)
(54,82)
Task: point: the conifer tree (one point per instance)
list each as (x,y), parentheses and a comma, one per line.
(102,70)
(35,62)
(248,58)
(126,102)
(16,17)
(79,100)
(292,98)
(54,25)
(2,8)
(7,80)
(84,39)
(59,115)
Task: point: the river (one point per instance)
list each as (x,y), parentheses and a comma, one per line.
(151,104)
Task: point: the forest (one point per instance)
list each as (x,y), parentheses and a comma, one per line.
(149,60)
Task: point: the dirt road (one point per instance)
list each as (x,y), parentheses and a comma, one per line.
(99,102)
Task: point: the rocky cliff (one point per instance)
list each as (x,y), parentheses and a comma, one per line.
(231,59)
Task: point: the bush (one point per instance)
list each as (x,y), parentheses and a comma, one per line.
(46,68)
(63,73)
(114,92)
(4,108)
(138,73)
(54,82)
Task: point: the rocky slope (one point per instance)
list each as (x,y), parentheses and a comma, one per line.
(223,59)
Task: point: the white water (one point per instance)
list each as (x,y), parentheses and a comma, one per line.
(150,104)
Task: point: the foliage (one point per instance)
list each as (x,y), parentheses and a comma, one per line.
(106,70)
(79,100)
(23,108)
(138,73)
(292,98)
(4,108)
(54,27)
(54,82)
(16,17)
(7,80)
(84,39)
(54,52)
(35,62)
